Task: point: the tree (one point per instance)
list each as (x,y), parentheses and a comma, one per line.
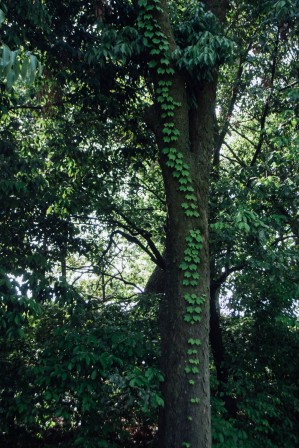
(185,144)
(166,57)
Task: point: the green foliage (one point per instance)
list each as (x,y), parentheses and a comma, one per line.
(14,65)
(201,44)
(79,355)
(17,64)
(71,364)
(263,379)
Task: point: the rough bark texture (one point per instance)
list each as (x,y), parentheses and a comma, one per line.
(183,422)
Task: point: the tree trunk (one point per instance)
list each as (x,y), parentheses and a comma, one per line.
(186,416)
(185,161)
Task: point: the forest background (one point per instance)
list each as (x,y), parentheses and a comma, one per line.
(88,222)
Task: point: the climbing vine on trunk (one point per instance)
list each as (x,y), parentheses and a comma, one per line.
(160,63)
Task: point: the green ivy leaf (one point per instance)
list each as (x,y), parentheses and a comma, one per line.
(183,266)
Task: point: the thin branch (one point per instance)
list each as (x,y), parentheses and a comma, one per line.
(289,86)
(79,268)
(154,193)
(77,278)
(235,92)
(132,239)
(267,104)
(120,278)
(242,135)
(235,155)
(215,284)
(283,238)
(147,236)
(229,159)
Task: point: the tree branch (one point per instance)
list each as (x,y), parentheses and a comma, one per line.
(241,135)
(135,240)
(147,236)
(235,92)
(267,104)
(119,277)
(215,284)
(235,155)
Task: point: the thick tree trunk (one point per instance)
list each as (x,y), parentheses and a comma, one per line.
(185,420)
(186,417)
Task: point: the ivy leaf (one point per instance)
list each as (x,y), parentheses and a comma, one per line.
(192,267)
(194,341)
(183,266)
(192,351)
(152,64)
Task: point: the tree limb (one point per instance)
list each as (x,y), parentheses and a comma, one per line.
(215,284)
(147,236)
(267,104)
(235,92)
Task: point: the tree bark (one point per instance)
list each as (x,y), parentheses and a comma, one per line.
(185,420)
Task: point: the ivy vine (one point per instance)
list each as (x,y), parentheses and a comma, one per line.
(157,43)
